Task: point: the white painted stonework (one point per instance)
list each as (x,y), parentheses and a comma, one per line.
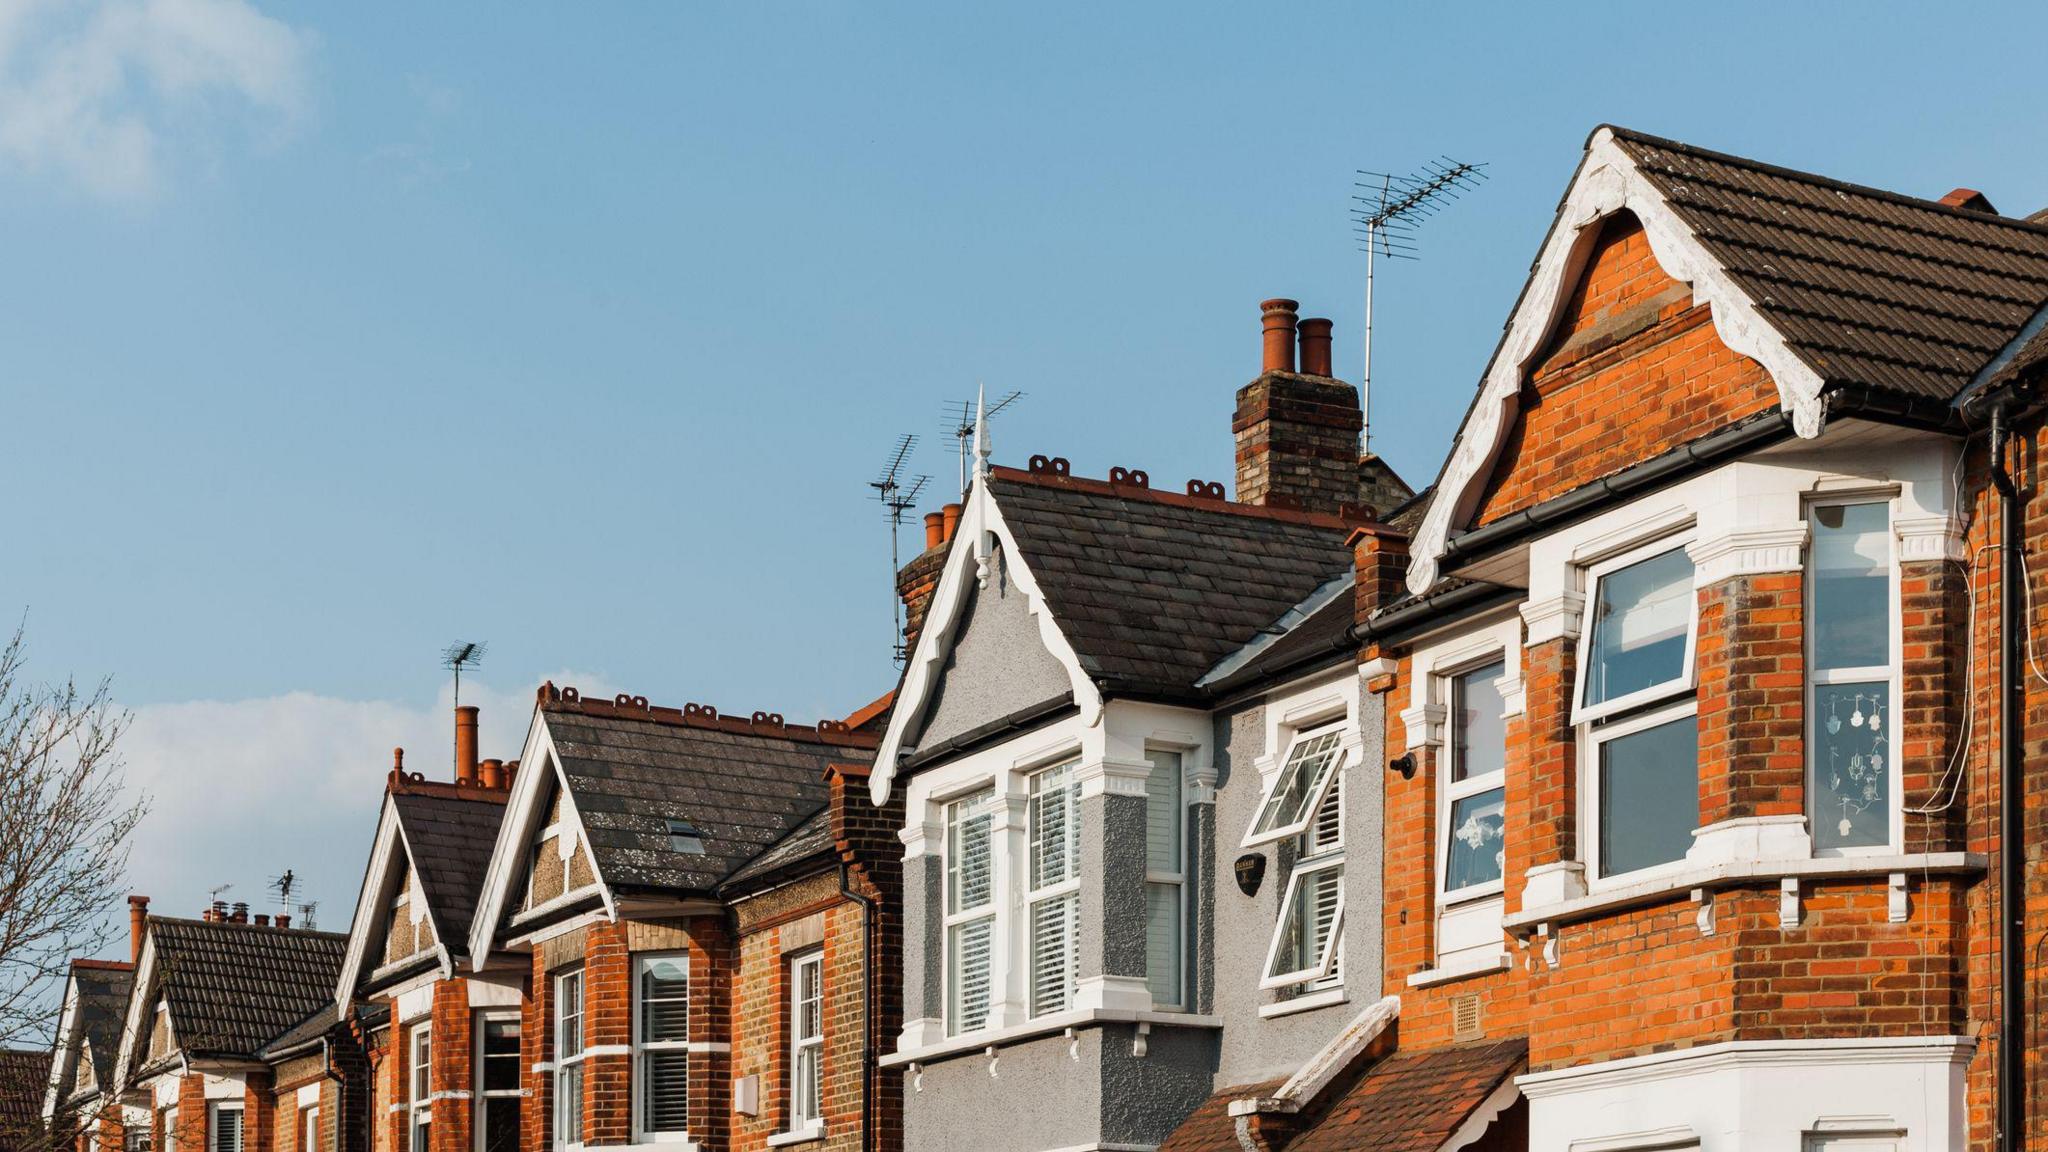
(1757,1096)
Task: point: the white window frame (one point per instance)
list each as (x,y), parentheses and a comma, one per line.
(217,1108)
(169,1119)
(309,1128)
(1453,791)
(1326,966)
(643,1047)
(479,1116)
(800,1120)
(1591,740)
(1067,887)
(1892,676)
(1176,879)
(982,792)
(1584,714)
(1340,754)
(567,1064)
(419,1086)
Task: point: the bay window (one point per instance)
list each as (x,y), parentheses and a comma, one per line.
(1306,946)
(419,1101)
(1474,818)
(970,910)
(1164,877)
(1851,719)
(568,1119)
(661,1044)
(1636,711)
(807,1042)
(497,1084)
(1053,827)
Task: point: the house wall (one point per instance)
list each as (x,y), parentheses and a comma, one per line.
(998,666)
(807,916)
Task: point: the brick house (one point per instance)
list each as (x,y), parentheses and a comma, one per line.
(76,1107)
(693,905)
(209,996)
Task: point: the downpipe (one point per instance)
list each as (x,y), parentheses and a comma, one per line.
(2011,851)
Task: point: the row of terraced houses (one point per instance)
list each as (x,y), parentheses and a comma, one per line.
(1667,774)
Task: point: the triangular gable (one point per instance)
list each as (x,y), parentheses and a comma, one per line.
(1608,182)
(968,571)
(69,1053)
(540,799)
(389,877)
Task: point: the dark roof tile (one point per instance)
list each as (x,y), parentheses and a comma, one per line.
(233,987)
(450,838)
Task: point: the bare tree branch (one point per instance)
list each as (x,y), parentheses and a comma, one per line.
(65,819)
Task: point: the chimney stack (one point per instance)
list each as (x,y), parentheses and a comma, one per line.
(1278,318)
(1315,348)
(465,745)
(1297,432)
(138,926)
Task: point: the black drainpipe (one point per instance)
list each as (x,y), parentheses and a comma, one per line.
(870,1060)
(2011,906)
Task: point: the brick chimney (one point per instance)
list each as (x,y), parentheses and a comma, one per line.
(918,580)
(1297,431)
(138,926)
(465,745)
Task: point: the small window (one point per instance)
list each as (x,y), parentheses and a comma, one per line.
(1638,645)
(970,911)
(309,1128)
(807,1042)
(662,1044)
(1165,876)
(1053,825)
(1852,723)
(1474,795)
(135,1138)
(498,1084)
(568,1118)
(224,1128)
(1312,759)
(420,1090)
(684,837)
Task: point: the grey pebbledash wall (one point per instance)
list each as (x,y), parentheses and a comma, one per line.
(1237,927)
(999,665)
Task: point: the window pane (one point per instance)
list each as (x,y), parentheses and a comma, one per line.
(501,1124)
(501,1055)
(967,950)
(665,999)
(1649,796)
(808,1001)
(1326,832)
(1163,813)
(970,875)
(1852,775)
(1479,732)
(1162,942)
(569,1105)
(1054,951)
(665,1091)
(1300,779)
(1852,586)
(422,1140)
(1054,822)
(1476,853)
(1308,923)
(1641,615)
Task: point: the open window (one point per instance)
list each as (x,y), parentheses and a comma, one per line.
(1312,761)
(1304,946)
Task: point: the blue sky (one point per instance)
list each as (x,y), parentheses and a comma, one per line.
(335,333)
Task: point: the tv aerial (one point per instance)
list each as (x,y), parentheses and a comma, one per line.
(960,423)
(897,495)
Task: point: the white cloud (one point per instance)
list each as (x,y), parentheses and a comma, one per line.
(87,90)
(243,789)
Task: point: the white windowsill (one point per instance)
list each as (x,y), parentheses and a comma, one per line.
(1460,969)
(1045,1026)
(1723,874)
(805,1136)
(1305,1003)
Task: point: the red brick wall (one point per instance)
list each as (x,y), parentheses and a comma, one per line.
(1634,370)
(450,1056)
(1751,672)
(607,1022)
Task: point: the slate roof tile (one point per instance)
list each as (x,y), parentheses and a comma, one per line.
(103,1005)
(451,838)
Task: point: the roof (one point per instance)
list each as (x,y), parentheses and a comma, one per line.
(1414,1101)
(811,838)
(1295,639)
(1152,589)
(103,989)
(743,784)
(449,837)
(23,1076)
(232,987)
(1211,1128)
(1902,295)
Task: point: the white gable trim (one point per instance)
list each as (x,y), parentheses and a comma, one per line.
(979,522)
(1608,182)
(516,831)
(140,1017)
(70,1028)
(373,906)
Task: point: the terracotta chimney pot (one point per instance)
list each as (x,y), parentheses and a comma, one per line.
(263,919)
(241,915)
(951,519)
(1278,317)
(465,744)
(138,926)
(491,773)
(1315,348)
(934,530)
(283,921)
